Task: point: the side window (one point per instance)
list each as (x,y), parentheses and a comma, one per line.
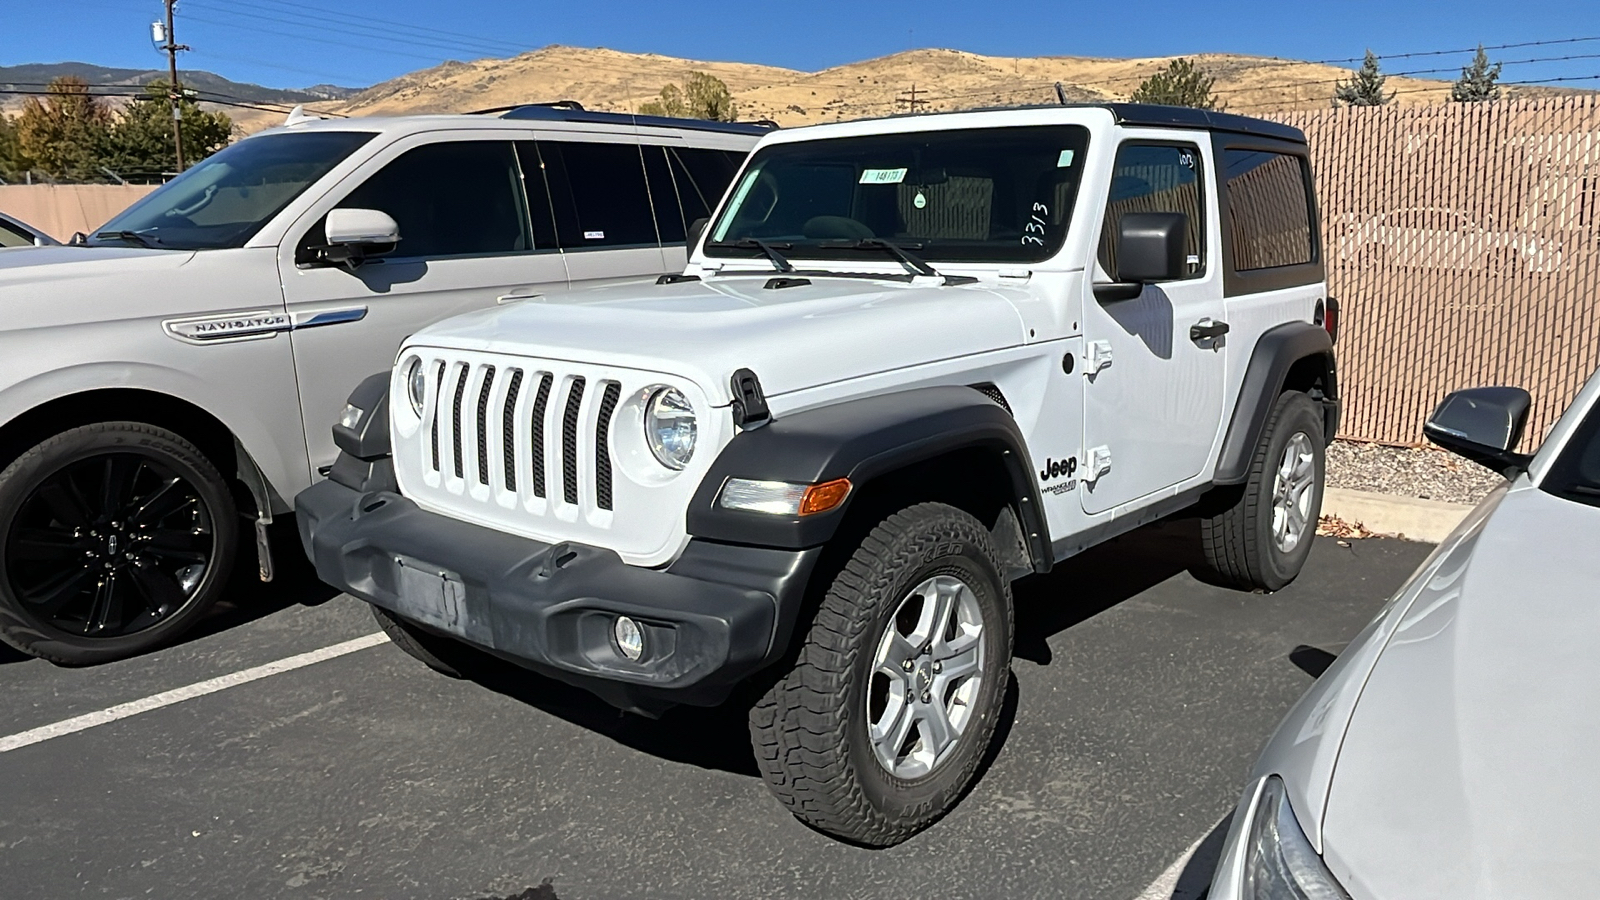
(1271,210)
(670,220)
(599,195)
(10,237)
(450,199)
(702,176)
(1156,178)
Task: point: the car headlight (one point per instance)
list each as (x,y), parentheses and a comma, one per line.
(669,427)
(416,384)
(1279,862)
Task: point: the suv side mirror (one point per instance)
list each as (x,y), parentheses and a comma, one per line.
(1149,250)
(696,229)
(355,234)
(1483,425)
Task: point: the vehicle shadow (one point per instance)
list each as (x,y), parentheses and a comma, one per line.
(1098,579)
(717,738)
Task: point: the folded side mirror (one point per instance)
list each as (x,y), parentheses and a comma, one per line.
(1149,250)
(355,234)
(1483,425)
(696,229)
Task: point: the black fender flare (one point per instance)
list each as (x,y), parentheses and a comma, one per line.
(1275,354)
(861,440)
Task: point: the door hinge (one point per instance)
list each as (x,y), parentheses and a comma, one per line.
(1097,463)
(1096,356)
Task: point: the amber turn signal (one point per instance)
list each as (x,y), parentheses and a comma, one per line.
(822,497)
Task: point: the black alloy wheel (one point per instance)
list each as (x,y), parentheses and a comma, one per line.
(116,537)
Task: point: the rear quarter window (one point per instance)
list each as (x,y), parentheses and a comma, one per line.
(1270,205)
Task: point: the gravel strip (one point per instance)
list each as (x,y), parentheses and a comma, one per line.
(1424,472)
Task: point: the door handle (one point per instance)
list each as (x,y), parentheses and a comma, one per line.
(1207,329)
(512,298)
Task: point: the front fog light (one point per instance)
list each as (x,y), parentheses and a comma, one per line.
(1280,863)
(416,384)
(669,427)
(351,417)
(630,638)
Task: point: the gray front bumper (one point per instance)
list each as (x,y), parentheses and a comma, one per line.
(710,618)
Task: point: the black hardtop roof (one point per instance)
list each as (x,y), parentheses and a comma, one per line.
(573,111)
(1188,117)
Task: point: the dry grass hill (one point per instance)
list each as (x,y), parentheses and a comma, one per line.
(943,80)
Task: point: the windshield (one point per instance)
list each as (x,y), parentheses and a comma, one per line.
(1575,474)
(228,197)
(972,195)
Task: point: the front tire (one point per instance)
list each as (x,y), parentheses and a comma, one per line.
(1262,540)
(437,653)
(114,538)
(878,729)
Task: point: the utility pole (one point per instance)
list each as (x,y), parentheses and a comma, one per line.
(911,101)
(176,90)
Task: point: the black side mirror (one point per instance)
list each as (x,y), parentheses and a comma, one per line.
(1149,250)
(697,228)
(1483,425)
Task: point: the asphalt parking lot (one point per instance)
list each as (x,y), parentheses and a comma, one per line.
(1140,699)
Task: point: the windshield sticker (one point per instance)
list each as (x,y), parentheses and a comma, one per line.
(1064,161)
(882,176)
(919,201)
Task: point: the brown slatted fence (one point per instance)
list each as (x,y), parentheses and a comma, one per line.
(1463,243)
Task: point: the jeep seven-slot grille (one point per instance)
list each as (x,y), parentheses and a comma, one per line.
(536,435)
(510,429)
(508,422)
(602,456)
(569,442)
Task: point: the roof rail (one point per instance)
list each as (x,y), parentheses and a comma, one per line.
(572,111)
(553,104)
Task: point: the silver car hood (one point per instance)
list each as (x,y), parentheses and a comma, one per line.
(1468,769)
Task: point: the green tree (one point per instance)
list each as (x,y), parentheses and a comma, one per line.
(1365,88)
(1477,81)
(702,96)
(1181,84)
(139,145)
(64,133)
(12,160)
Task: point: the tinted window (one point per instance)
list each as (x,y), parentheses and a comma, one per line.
(1271,210)
(1575,474)
(535,185)
(686,183)
(226,198)
(599,195)
(450,199)
(980,195)
(1155,178)
(12,237)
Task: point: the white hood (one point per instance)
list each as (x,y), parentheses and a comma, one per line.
(792,337)
(1469,767)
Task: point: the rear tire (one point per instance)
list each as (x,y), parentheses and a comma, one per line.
(115,538)
(435,652)
(878,729)
(1262,540)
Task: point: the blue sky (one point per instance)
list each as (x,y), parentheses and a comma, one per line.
(292,43)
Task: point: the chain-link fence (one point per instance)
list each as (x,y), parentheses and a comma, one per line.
(1463,243)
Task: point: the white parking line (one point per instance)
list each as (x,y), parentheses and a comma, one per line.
(178,695)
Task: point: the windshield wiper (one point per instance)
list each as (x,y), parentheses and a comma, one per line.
(771,250)
(132,237)
(902,252)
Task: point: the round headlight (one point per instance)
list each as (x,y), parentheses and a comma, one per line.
(669,427)
(416,384)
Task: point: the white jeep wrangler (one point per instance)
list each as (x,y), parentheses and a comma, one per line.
(910,361)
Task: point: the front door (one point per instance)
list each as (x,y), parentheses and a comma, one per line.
(1152,393)
(467,241)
